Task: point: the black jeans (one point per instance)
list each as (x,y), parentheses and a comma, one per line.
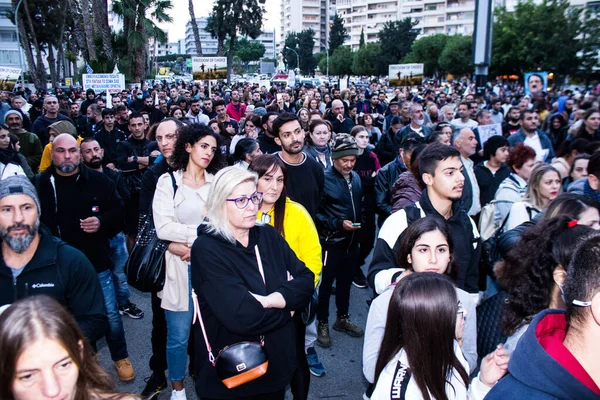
(340,265)
(301,379)
(367,236)
(158,360)
(279,395)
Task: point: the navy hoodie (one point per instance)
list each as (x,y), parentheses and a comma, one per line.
(223,275)
(534,373)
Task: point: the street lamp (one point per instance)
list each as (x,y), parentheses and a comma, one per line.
(327,55)
(297,57)
(19,43)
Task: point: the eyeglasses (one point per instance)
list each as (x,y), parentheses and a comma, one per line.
(242,202)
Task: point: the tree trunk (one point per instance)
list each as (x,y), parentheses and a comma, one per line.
(88,28)
(40,70)
(139,54)
(100,12)
(26,45)
(221,46)
(52,65)
(230,58)
(78,33)
(195,29)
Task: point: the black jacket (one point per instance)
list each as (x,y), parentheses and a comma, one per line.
(109,141)
(134,147)
(96,197)
(387,147)
(63,273)
(267,145)
(340,127)
(488,183)
(467,250)
(223,275)
(339,202)
(384,181)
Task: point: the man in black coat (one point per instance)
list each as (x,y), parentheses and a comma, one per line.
(82,207)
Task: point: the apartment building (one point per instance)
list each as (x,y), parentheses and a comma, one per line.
(298,15)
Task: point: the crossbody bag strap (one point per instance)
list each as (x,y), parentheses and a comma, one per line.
(260,265)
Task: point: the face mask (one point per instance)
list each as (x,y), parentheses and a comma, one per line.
(139,96)
(562,293)
(419,122)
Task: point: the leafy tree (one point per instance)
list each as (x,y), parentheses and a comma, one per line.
(233,18)
(536,37)
(427,50)
(289,57)
(589,41)
(340,62)
(195,28)
(361,42)
(337,34)
(249,50)
(365,59)
(306,43)
(396,38)
(457,56)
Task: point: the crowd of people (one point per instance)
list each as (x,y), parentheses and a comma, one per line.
(479,213)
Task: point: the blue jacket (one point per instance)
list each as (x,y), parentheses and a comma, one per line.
(533,373)
(519,137)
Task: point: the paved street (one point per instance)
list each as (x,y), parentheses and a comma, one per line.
(344,379)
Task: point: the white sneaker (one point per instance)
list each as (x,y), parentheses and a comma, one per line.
(178,395)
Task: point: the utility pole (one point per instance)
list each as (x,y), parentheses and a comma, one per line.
(327,55)
(297,57)
(19,44)
(482,43)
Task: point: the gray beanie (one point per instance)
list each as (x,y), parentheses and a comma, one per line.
(19,184)
(12,112)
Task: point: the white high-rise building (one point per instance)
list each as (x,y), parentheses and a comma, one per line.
(9,48)
(209,45)
(298,15)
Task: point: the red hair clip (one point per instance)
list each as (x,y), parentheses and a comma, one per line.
(572,223)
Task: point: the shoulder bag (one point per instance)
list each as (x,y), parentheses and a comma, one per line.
(241,362)
(145,268)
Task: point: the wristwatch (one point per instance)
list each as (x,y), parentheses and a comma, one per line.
(135,159)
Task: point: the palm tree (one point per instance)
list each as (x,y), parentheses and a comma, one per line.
(100,13)
(139,25)
(195,29)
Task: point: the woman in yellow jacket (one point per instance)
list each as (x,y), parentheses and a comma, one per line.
(295,224)
(54,130)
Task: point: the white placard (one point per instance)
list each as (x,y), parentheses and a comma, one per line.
(487,131)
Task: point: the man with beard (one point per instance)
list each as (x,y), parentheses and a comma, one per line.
(465,142)
(512,123)
(153,113)
(231,125)
(83,208)
(89,100)
(417,124)
(94,119)
(108,137)
(78,119)
(442,172)
(339,121)
(122,119)
(31,147)
(194,115)
(464,117)
(208,109)
(530,136)
(35,263)
(376,110)
(266,140)
(92,155)
(305,176)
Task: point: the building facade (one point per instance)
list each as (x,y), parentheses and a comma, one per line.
(209,45)
(9,48)
(298,15)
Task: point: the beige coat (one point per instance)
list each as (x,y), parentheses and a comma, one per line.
(165,208)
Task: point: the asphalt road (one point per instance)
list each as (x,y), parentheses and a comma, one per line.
(343,380)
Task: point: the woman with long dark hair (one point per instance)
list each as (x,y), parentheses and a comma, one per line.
(318,142)
(590,127)
(45,355)
(420,355)
(178,209)
(246,150)
(293,222)
(534,270)
(425,247)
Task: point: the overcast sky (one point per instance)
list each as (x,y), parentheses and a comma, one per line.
(202,8)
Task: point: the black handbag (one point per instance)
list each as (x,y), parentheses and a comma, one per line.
(145,268)
(241,362)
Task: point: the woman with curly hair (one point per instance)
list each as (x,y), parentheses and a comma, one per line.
(45,355)
(534,271)
(178,209)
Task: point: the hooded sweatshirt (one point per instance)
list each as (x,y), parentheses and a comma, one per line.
(542,367)
(223,276)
